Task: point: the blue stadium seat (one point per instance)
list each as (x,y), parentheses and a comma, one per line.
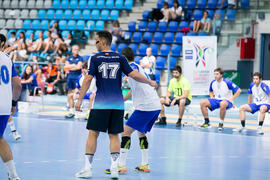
(142,49)
(176,50)
(62,24)
(65,4)
(77,14)
(86,14)
(114,14)
(170,2)
(182,3)
(245,4)
(172,63)
(162,26)
(137,37)
(183,24)
(100,4)
(37,34)
(142,25)
(132,26)
(90,25)
(127,35)
(113,47)
(158,36)
(147,36)
(201,4)
(160,63)
(44,24)
(164,49)
(197,14)
(160,4)
(52,22)
(212,4)
(82,4)
(28,33)
(80,25)
(210,14)
(71,25)
(104,14)
(179,37)
(100,25)
(191,25)
(145,15)
(121,46)
(152,26)
(59,14)
(168,37)
(128,4)
(225,4)
(157,75)
(134,48)
(221,14)
(173,26)
(68,14)
(191,4)
(45,34)
(41,14)
(155,48)
(191,34)
(56,4)
(50,14)
(73,4)
(202,34)
(109,4)
(65,34)
(137,59)
(35,24)
(231,14)
(91,4)
(119,4)
(95,14)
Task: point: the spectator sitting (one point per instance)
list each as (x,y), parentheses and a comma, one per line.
(116,32)
(54,30)
(148,63)
(20,54)
(53,74)
(204,23)
(68,41)
(59,45)
(166,12)
(12,43)
(232,4)
(176,11)
(216,25)
(48,43)
(31,43)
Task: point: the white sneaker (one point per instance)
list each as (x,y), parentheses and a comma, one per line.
(16,135)
(259,130)
(243,129)
(14,178)
(114,173)
(84,173)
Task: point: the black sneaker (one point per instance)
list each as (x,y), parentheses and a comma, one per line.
(126,116)
(162,121)
(205,125)
(220,126)
(178,123)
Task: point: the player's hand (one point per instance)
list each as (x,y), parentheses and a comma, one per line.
(13,110)
(78,105)
(154,84)
(167,100)
(231,100)
(173,102)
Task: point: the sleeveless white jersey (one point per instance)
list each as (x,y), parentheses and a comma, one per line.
(144,96)
(5,84)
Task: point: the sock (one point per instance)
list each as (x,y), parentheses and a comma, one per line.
(221,121)
(114,159)
(123,157)
(260,123)
(206,120)
(11,169)
(12,126)
(88,160)
(179,120)
(144,156)
(243,122)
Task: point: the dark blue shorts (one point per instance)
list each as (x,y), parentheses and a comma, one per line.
(3,124)
(71,84)
(215,104)
(254,107)
(143,121)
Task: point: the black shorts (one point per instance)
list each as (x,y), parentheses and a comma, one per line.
(104,120)
(177,102)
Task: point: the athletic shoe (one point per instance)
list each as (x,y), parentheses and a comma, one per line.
(84,173)
(16,178)
(70,115)
(121,170)
(126,116)
(178,123)
(114,173)
(162,121)
(220,126)
(16,135)
(243,129)
(259,130)
(143,168)
(205,125)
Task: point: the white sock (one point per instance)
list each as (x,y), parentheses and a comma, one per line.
(88,161)
(144,156)
(114,160)
(72,110)
(11,169)
(123,157)
(12,126)
(221,121)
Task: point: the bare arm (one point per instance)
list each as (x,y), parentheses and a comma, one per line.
(211,94)
(85,86)
(140,78)
(250,98)
(128,95)
(17,87)
(236,94)
(74,67)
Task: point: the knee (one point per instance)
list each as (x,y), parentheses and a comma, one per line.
(93,133)
(182,102)
(203,103)
(263,109)
(242,108)
(223,104)
(162,100)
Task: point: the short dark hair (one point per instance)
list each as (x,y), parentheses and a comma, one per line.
(177,68)
(3,40)
(14,33)
(105,35)
(128,53)
(258,74)
(221,71)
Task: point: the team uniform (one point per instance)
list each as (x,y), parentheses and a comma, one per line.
(7,71)
(73,75)
(260,96)
(108,107)
(91,89)
(222,91)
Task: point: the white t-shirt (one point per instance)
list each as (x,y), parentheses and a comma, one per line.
(5,84)
(260,93)
(149,60)
(144,96)
(231,2)
(224,89)
(177,11)
(92,87)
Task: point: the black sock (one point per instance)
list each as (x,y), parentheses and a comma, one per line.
(243,122)
(206,120)
(260,123)
(179,120)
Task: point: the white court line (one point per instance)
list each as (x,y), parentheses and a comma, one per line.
(27,162)
(233,156)
(45,161)
(61,160)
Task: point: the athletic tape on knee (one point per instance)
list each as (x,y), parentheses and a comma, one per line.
(143,143)
(125,144)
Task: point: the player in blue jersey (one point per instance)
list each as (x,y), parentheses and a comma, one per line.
(74,66)
(221,96)
(10,89)
(259,93)
(108,109)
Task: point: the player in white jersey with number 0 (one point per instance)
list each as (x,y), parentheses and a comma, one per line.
(10,89)
(260,93)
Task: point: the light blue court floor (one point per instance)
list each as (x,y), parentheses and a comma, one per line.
(52,148)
